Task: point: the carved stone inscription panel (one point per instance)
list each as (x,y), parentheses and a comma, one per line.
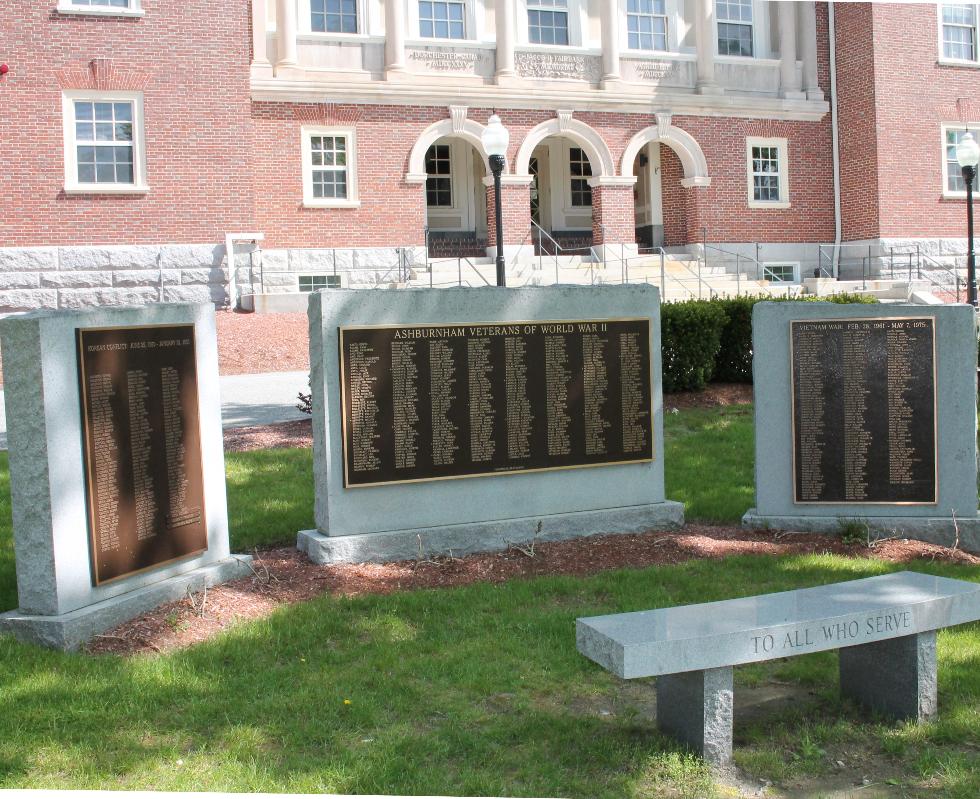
(439,401)
(142,444)
(864,411)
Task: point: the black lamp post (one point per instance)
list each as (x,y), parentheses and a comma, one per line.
(967,156)
(495,140)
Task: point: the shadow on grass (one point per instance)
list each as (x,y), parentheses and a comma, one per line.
(469,691)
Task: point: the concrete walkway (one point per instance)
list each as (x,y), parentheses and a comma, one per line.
(246,400)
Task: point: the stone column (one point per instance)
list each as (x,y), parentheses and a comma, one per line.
(506,37)
(260,54)
(286,56)
(613,216)
(789,84)
(611,76)
(704,37)
(808,36)
(394,38)
(515,199)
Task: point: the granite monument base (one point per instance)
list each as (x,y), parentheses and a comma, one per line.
(70,630)
(940,530)
(487,536)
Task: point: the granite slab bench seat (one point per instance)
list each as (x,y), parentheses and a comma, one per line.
(885,628)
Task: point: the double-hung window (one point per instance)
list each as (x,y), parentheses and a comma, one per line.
(103,142)
(333,16)
(646,24)
(767,173)
(953,183)
(580,171)
(734,27)
(329,176)
(959,31)
(547,21)
(442,20)
(439,183)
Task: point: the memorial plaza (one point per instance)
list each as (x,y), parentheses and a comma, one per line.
(711,148)
(490,398)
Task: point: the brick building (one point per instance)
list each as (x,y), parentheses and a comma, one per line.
(140,137)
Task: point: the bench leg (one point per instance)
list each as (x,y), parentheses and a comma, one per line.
(696,708)
(896,677)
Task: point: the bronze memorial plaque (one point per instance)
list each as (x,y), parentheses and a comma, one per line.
(142,443)
(864,411)
(429,402)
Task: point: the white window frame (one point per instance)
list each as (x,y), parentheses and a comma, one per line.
(943,58)
(72,186)
(306,23)
(472,31)
(758,22)
(576,25)
(794,264)
(974,128)
(782,145)
(669,15)
(135,9)
(352,199)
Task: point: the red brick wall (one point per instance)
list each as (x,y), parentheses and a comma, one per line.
(393,212)
(915,95)
(674,199)
(857,117)
(196,104)
(515,206)
(613,214)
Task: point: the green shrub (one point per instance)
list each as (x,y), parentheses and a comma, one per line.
(691,337)
(734,362)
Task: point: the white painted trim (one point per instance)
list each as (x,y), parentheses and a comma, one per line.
(304,23)
(783,174)
(471,131)
(796,271)
(958,62)
(420,91)
(577,25)
(680,141)
(944,128)
(474,14)
(72,186)
(135,9)
(624,36)
(576,130)
(309,201)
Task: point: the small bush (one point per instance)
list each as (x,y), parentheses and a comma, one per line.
(691,337)
(734,363)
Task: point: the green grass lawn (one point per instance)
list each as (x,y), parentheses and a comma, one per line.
(468,691)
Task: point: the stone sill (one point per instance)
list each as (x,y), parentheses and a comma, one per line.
(756,205)
(949,62)
(340,38)
(331,203)
(95,11)
(96,189)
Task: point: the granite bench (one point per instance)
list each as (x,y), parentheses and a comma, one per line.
(885,628)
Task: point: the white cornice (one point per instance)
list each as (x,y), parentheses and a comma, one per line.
(536,98)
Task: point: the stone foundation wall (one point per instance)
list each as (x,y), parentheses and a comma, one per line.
(34,278)
(278,271)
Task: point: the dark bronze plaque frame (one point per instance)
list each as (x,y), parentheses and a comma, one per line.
(492,472)
(168,544)
(935,411)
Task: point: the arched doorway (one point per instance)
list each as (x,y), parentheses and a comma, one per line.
(561,197)
(455,199)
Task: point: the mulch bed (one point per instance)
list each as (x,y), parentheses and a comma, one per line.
(253,343)
(284,576)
